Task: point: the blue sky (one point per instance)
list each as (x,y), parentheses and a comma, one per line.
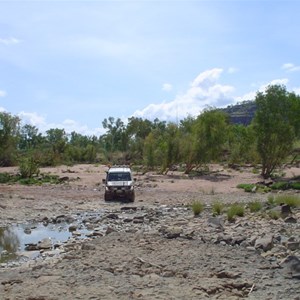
(70,64)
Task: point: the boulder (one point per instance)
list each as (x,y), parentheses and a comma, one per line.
(265,243)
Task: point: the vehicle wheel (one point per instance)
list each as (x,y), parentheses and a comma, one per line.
(106,197)
(131,199)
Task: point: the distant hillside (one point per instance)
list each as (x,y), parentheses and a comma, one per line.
(241,113)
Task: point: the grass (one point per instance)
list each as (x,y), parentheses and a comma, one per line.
(7,178)
(217,208)
(235,210)
(255,206)
(291,200)
(197,207)
(273,214)
(247,187)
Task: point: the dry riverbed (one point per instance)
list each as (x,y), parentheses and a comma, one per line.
(151,249)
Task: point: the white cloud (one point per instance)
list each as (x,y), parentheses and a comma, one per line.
(232,70)
(296,91)
(2,93)
(2,109)
(251,95)
(68,125)
(9,41)
(289,67)
(167,87)
(32,119)
(203,91)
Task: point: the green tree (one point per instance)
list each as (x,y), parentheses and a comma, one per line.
(274,127)
(210,131)
(9,135)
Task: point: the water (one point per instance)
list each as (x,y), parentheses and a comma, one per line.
(13,239)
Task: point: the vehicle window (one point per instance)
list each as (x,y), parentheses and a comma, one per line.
(119,177)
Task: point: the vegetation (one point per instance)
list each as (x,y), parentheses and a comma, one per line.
(217,208)
(291,200)
(255,206)
(269,138)
(235,210)
(197,207)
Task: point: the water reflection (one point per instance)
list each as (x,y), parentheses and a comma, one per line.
(9,244)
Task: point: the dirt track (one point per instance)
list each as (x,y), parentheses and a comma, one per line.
(168,255)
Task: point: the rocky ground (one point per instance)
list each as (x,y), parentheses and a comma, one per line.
(154,248)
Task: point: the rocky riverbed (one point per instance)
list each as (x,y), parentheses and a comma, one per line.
(153,249)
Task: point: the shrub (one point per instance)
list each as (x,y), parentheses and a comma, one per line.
(280,185)
(274,214)
(291,200)
(5,178)
(295,185)
(255,206)
(248,187)
(271,200)
(235,210)
(217,208)
(197,207)
(28,168)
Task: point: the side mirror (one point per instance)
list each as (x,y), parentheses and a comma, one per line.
(103,180)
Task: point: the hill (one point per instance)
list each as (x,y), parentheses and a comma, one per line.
(241,113)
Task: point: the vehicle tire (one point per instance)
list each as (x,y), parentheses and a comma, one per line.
(106,197)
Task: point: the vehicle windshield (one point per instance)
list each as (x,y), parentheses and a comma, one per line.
(124,176)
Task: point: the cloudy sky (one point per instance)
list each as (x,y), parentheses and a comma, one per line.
(70,64)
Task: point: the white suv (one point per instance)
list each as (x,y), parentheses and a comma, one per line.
(119,184)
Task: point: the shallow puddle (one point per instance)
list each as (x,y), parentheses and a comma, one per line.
(14,238)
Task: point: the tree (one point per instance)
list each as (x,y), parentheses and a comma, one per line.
(210,129)
(9,134)
(274,127)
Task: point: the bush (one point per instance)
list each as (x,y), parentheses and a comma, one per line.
(291,200)
(5,178)
(295,185)
(217,208)
(273,214)
(235,210)
(255,206)
(28,168)
(248,187)
(197,207)
(271,200)
(280,185)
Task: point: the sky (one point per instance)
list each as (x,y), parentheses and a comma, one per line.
(71,64)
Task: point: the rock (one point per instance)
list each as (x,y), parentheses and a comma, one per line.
(112,216)
(45,244)
(293,245)
(265,243)
(72,228)
(291,220)
(109,230)
(88,246)
(173,232)
(216,222)
(27,230)
(31,247)
(291,266)
(285,211)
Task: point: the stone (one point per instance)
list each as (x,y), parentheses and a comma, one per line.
(72,228)
(216,222)
(285,211)
(291,266)
(88,246)
(265,243)
(173,232)
(290,220)
(293,246)
(45,244)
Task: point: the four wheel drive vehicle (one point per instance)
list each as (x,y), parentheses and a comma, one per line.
(119,184)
